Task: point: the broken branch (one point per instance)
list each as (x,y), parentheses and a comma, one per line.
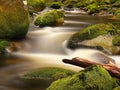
(111,68)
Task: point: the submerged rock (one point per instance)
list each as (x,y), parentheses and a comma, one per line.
(51,18)
(14,19)
(45,75)
(92,78)
(104,37)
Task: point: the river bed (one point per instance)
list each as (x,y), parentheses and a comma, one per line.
(45,47)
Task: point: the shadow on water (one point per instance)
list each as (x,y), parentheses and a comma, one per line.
(44,47)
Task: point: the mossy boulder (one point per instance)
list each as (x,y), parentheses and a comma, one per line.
(3,45)
(51,18)
(92,78)
(36,5)
(14,19)
(70,3)
(46,75)
(55,5)
(104,37)
(93,8)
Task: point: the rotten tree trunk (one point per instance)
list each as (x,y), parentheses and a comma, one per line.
(111,68)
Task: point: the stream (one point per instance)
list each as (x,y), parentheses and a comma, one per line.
(45,47)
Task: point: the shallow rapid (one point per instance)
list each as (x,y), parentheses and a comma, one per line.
(45,47)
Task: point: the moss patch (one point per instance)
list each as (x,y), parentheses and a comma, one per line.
(104,37)
(14,19)
(116,40)
(92,78)
(46,75)
(36,5)
(90,33)
(117,88)
(54,17)
(117,13)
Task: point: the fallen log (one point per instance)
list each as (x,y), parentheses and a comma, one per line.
(110,67)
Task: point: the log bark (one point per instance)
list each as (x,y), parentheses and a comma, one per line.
(110,67)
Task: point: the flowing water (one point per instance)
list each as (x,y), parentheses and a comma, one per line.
(45,47)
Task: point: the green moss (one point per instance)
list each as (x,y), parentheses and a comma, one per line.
(3,45)
(49,72)
(117,88)
(90,33)
(117,13)
(36,5)
(79,4)
(70,3)
(14,21)
(116,40)
(50,18)
(116,3)
(55,5)
(92,78)
(93,8)
(47,75)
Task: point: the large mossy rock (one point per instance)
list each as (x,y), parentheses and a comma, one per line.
(92,78)
(51,18)
(45,75)
(14,19)
(36,5)
(103,37)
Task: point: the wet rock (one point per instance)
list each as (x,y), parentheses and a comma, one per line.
(104,37)
(14,19)
(51,18)
(92,78)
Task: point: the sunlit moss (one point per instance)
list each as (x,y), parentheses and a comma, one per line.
(93,8)
(50,18)
(36,5)
(90,33)
(104,37)
(92,78)
(116,40)
(117,88)
(46,75)
(14,19)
